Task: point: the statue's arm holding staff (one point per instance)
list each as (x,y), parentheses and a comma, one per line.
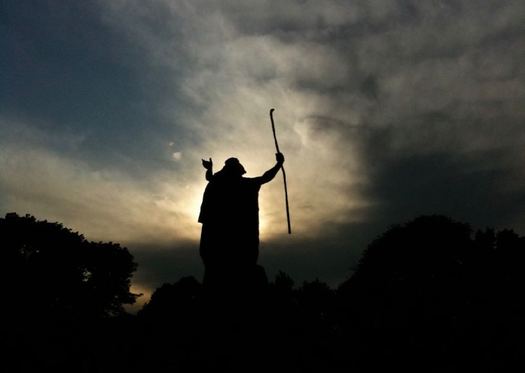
(270,174)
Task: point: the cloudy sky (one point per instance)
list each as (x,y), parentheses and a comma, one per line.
(385,110)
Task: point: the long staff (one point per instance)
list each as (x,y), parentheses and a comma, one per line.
(284,175)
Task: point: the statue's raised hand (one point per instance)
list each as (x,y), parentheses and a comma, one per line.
(207,164)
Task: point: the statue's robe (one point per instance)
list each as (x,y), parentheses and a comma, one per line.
(230,222)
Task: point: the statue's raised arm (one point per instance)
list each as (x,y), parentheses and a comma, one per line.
(270,174)
(208,165)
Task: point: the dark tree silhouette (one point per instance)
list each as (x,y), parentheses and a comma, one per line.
(62,299)
(431,296)
(48,268)
(173,301)
(172,327)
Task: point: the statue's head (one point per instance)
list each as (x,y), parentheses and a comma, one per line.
(233,167)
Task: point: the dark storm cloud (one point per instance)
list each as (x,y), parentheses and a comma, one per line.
(447,98)
(66,71)
(331,257)
(160,264)
(478,187)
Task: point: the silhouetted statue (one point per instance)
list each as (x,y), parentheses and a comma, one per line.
(229,215)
